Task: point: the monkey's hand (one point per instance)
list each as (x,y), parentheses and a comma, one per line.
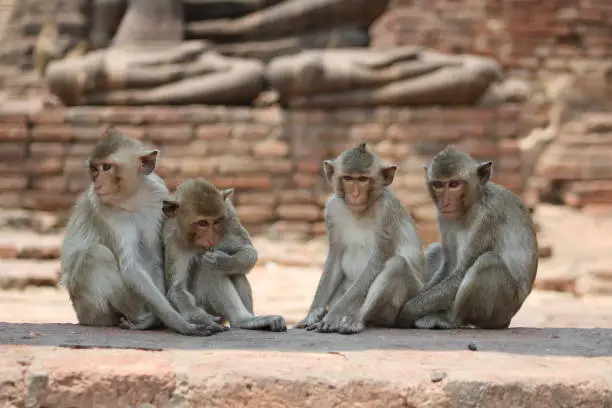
(220,260)
(206,320)
(337,322)
(146,322)
(312,318)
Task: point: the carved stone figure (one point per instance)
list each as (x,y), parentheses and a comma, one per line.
(188,73)
(368,77)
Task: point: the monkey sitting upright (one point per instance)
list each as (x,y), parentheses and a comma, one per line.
(111,260)
(208,254)
(375,259)
(485,268)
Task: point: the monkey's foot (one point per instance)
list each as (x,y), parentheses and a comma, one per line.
(271,322)
(203,319)
(439,321)
(311,319)
(343,324)
(146,322)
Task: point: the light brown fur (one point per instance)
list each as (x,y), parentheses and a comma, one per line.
(375,259)
(111,260)
(208,254)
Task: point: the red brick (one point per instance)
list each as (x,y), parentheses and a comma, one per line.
(62,133)
(229,147)
(170,134)
(75,165)
(8,251)
(301,212)
(41,200)
(52,116)
(84,115)
(57,184)
(318,228)
(14,182)
(277,166)
(310,166)
(13,131)
(13,151)
(251,132)
(78,182)
(81,149)
(248,198)
(40,253)
(271,148)
(297,197)
(45,149)
(44,165)
(371,132)
(305,180)
(123,115)
(272,115)
(8,166)
(193,148)
(255,213)
(164,114)
(13,118)
(213,132)
(243,182)
(10,199)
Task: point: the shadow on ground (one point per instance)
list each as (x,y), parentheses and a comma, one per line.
(518,340)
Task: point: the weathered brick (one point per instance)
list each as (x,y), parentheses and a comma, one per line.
(52,116)
(271,148)
(13,182)
(46,165)
(305,180)
(81,149)
(57,183)
(67,133)
(13,151)
(297,197)
(45,201)
(123,115)
(302,212)
(371,132)
(255,213)
(251,132)
(228,147)
(248,198)
(170,134)
(46,149)
(213,132)
(318,228)
(78,182)
(83,115)
(10,199)
(193,148)
(310,166)
(13,131)
(243,182)
(13,118)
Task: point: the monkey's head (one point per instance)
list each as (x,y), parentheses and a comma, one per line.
(358,176)
(200,211)
(455,181)
(117,165)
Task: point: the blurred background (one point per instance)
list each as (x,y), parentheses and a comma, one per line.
(254,94)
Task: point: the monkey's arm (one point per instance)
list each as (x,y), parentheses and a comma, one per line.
(239,263)
(331,278)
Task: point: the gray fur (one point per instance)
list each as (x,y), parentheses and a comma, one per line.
(375,258)
(485,267)
(214,283)
(111,261)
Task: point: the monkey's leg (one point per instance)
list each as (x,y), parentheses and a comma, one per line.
(434,260)
(99,295)
(488,294)
(218,293)
(397,283)
(244,290)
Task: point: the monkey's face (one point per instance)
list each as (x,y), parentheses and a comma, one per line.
(106,178)
(357,190)
(449,196)
(206,232)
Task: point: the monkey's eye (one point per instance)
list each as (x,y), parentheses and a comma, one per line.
(454,183)
(437,185)
(203,223)
(363,179)
(347,178)
(219,220)
(106,167)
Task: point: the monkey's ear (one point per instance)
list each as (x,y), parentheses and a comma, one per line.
(328,169)
(485,171)
(426,167)
(148,160)
(170,208)
(388,173)
(229,193)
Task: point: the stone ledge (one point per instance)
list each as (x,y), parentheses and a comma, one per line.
(519,367)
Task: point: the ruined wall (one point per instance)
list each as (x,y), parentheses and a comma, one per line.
(524,35)
(272,157)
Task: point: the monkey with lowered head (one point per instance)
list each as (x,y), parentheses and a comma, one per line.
(208,254)
(111,255)
(375,259)
(485,266)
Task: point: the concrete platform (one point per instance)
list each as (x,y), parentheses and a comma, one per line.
(65,365)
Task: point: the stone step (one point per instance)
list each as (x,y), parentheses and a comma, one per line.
(64,365)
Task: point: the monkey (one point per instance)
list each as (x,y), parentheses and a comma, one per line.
(207,256)
(485,266)
(111,254)
(375,259)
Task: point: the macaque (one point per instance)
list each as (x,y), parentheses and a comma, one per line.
(375,260)
(208,254)
(111,255)
(485,267)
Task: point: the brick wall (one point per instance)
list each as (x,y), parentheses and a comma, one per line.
(524,35)
(272,157)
